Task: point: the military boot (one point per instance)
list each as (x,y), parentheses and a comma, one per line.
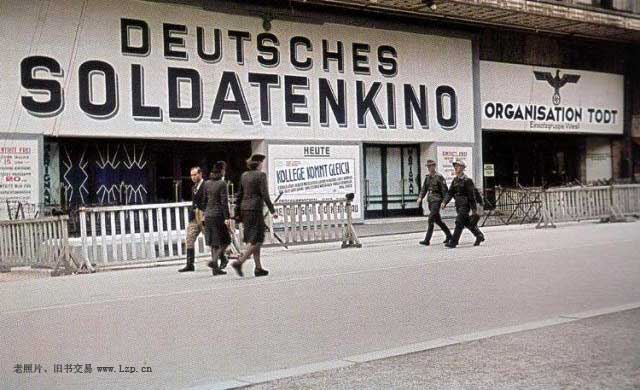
(190,267)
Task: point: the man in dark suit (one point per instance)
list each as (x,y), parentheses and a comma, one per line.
(194,228)
(463,191)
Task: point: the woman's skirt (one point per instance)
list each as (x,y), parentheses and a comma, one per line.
(216,233)
(254,226)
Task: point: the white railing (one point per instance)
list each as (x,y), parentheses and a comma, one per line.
(312,222)
(584,203)
(122,234)
(117,235)
(576,204)
(626,199)
(41,242)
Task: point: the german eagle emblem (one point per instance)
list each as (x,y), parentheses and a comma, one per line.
(556,82)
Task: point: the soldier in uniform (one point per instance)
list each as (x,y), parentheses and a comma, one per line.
(194,227)
(436,187)
(462,190)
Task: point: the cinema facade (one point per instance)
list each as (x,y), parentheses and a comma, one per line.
(113,102)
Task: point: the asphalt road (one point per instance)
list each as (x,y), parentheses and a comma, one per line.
(320,304)
(596,353)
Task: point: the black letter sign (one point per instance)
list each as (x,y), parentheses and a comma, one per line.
(54,105)
(85,73)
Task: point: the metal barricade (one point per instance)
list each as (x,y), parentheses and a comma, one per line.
(519,205)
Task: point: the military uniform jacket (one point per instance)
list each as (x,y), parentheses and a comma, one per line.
(462,190)
(253,192)
(198,201)
(216,199)
(436,186)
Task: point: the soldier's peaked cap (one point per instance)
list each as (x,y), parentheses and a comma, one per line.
(460,162)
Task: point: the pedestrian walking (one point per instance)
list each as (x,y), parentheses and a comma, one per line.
(195,212)
(216,216)
(462,190)
(435,189)
(224,260)
(250,198)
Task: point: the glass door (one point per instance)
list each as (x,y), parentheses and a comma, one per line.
(391,180)
(373,181)
(395,185)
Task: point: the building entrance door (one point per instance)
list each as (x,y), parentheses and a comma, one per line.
(391,180)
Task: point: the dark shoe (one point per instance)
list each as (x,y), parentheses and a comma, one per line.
(224,260)
(479,239)
(450,245)
(237,267)
(217,271)
(446,240)
(212,264)
(423,242)
(188,268)
(260,272)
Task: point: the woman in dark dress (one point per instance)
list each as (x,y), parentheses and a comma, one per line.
(250,198)
(216,216)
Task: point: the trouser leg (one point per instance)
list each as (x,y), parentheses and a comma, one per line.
(427,237)
(473,228)
(445,229)
(193,229)
(457,232)
(461,221)
(434,218)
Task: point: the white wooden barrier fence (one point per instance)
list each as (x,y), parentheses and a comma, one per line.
(314,222)
(584,203)
(626,199)
(117,235)
(41,242)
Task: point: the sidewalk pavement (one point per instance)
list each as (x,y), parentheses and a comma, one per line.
(406,225)
(594,353)
(24,273)
(370,228)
